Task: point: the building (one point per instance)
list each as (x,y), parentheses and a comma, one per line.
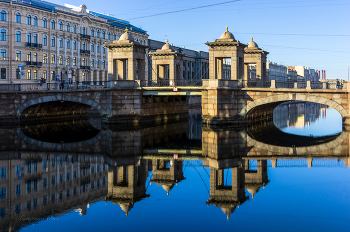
(195,64)
(276,72)
(51,41)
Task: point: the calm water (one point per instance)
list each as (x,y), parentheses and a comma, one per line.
(77,176)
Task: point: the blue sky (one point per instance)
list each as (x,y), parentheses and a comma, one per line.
(312,33)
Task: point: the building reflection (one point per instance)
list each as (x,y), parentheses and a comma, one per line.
(167,173)
(127,183)
(298,114)
(36,186)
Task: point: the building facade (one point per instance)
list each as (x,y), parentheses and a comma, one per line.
(53,42)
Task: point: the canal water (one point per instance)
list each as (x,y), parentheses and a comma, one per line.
(290,174)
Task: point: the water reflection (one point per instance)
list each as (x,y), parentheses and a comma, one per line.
(306,118)
(138,168)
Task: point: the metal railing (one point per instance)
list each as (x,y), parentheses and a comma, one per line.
(34,63)
(85,67)
(171,83)
(34,45)
(84,52)
(82,36)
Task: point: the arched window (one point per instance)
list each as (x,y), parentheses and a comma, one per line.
(29,20)
(3,15)
(109,36)
(114,36)
(83,31)
(53,42)
(44,23)
(18,18)
(98,34)
(103,35)
(35,21)
(74,45)
(45,40)
(74,29)
(3,35)
(68,44)
(92,47)
(61,43)
(60,26)
(67,27)
(35,38)
(52,24)
(92,32)
(18,36)
(98,48)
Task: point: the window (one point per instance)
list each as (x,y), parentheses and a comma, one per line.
(29,187)
(35,38)
(29,205)
(52,62)
(52,24)
(83,30)
(35,185)
(18,18)
(44,161)
(18,208)
(29,37)
(92,32)
(60,60)
(35,57)
(45,75)
(45,23)
(29,20)
(18,36)
(67,176)
(74,29)
(103,50)
(53,42)
(35,203)
(92,48)
(44,200)
(98,64)
(2,193)
(74,175)
(109,36)
(29,56)
(74,45)
(3,35)
(92,63)
(35,74)
(35,21)
(3,15)
(67,61)
(103,64)
(52,198)
(83,46)
(83,62)
(44,183)
(52,75)
(92,171)
(3,73)
(60,179)
(67,27)
(84,79)
(18,190)
(3,172)
(60,26)
(53,182)
(3,54)
(29,74)
(98,34)
(45,40)
(68,44)
(114,37)
(103,35)
(60,43)
(98,48)
(74,61)
(18,55)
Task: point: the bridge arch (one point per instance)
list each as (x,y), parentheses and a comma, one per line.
(266,105)
(60,98)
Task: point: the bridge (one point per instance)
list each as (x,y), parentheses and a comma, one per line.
(129,98)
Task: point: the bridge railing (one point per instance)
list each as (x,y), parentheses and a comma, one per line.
(165,83)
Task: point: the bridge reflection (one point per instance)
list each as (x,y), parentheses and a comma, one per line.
(39,181)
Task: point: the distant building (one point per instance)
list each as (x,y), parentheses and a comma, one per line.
(276,72)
